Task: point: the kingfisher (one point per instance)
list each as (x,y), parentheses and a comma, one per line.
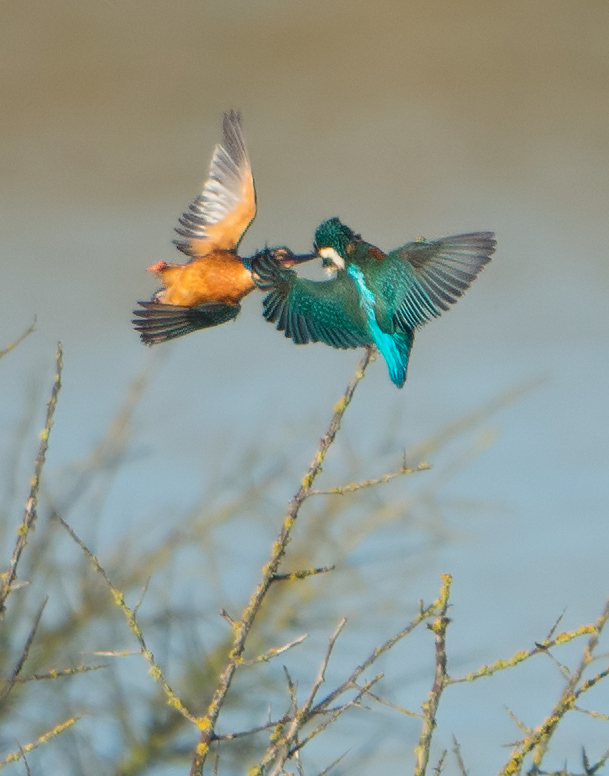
(207,289)
(373,298)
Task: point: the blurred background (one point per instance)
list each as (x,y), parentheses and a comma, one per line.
(403,119)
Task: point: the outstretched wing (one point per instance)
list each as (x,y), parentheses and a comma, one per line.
(158,322)
(308,311)
(422,279)
(219,216)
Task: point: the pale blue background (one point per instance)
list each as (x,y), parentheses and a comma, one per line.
(404,119)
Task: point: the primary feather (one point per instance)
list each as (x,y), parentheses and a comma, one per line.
(219,216)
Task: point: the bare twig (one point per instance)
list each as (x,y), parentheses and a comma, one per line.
(384,702)
(31,505)
(275,651)
(293,698)
(593,714)
(541,648)
(281,749)
(459,757)
(321,674)
(332,765)
(28,772)
(59,673)
(294,575)
(259,729)
(12,680)
(352,487)
(270,570)
(19,339)
(537,742)
(225,615)
(589,769)
(26,748)
(424,614)
(285,742)
(335,713)
(430,707)
(440,764)
(119,599)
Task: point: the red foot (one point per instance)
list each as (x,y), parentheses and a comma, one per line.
(158,267)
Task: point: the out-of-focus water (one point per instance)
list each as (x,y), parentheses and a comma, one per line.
(401,118)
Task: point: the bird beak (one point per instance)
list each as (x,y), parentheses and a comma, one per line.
(300,258)
(286,258)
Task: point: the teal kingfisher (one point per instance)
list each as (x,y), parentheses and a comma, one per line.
(374,298)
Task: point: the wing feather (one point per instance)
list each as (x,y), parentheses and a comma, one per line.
(425,277)
(157,322)
(220,215)
(309,311)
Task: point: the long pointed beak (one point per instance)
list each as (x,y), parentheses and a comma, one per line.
(287,259)
(300,258)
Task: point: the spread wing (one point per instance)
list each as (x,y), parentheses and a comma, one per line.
(219,216)
(308,311)
(158,322)
(422,279)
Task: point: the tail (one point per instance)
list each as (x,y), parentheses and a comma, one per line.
(157,322)
(395,348)
(396,351)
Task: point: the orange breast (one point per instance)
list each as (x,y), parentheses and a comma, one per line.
(218,277)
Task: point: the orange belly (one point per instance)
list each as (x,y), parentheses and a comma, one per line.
(218,277)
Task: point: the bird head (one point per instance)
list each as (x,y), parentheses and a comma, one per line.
(331,240)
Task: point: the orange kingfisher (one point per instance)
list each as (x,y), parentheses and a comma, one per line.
(207,289)
(374,298)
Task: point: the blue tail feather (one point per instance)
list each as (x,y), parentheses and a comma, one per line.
(395,348)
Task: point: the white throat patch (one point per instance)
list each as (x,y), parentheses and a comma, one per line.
(332,255)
